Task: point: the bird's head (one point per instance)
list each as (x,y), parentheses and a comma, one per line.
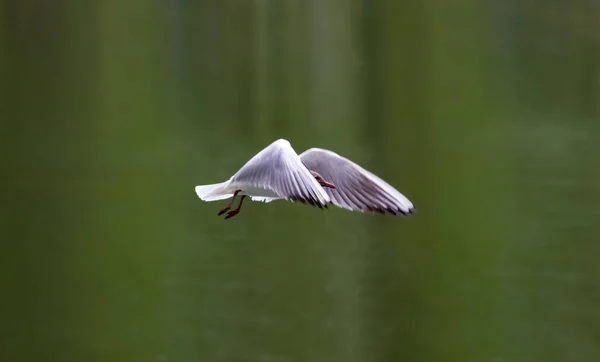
(321,180)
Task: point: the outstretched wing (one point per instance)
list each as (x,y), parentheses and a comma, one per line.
(355,188)
(279,169)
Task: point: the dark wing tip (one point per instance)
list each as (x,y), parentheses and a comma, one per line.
(307,200)
(396,211)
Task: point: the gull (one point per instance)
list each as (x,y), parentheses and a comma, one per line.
(317,177)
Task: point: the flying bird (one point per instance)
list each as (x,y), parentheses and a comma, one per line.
(317,177)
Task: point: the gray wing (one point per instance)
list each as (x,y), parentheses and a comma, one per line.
(278,168)
(355,188)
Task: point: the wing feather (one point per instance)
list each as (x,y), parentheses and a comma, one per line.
(278,168)
(355,188)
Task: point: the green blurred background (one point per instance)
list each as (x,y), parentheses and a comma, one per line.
(484,113)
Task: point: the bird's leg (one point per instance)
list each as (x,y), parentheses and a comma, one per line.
(230,203)
(236,211)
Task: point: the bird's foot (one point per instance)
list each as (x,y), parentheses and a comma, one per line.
(231,213)
(223,210)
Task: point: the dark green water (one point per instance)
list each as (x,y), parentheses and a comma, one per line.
(486,115)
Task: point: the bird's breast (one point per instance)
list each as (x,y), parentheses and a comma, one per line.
(251,190)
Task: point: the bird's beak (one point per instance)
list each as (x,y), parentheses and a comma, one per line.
(327,184)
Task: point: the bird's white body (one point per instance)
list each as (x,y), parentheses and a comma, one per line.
(278,172)
(226,189)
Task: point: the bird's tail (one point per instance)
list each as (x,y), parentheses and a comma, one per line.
(214,192)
